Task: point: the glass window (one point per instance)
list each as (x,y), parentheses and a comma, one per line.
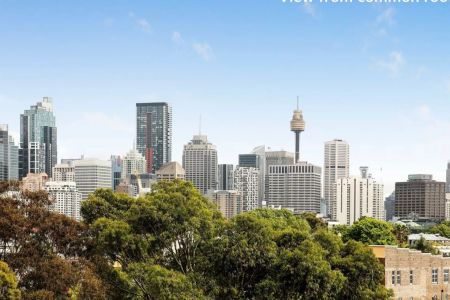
(411,277)
(393,277)
(434,276)
(399,277)
(446,275)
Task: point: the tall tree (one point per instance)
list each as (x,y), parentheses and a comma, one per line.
(8,283)
(371,231)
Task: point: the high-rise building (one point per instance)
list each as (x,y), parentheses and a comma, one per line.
(133,163)
(336,166)
(256,159)
(38,139)
(389,207)
(116,170)
(200,163)
(154,133)
(295,187)
(9,164)
(226,177)
(171,171)
(64,172)
(66,198)
(297,126)
(275,158)
(357,197)
(447,186)
(228,202)
(92,174)
(420,197)
(246,182)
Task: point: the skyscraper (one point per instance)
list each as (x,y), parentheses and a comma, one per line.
(9,165)
(92,174)
(116,170)
(336,166)
(447,186)
(64,172)
(226,177)
(297,126)
(246,182)
(67,199)
(228,202)
(357,197)
(389,207)
(200,163)
(420,196)
(256,159)
(133,163)
(38,139)
(154,133)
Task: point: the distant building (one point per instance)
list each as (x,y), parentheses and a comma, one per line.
(64,172)
(435,239)
(171,171)
(92,174)
(116,170)
(67,199)
(358,197)
(38,139)
(246,182)
(154,133)
(200,163)
(34,182)
(421,197)
(336,166)
(447,186)
(9,164)
(226,177)
(228,202)
(275,158)
(389,207)
(256,159)
(133,163)
(414,275)
(296,187)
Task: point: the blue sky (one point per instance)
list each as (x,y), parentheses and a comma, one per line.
(375,75)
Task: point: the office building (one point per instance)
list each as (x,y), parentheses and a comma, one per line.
(64,172)
(154,133)
(246,183)
(256,159)
(200,163)
(116,170)
(336,166)
(228,202)
(389,207)
(133,163)
(358,197)
(66,198)
(171,171)
(295,187)
(420,197)
(34,182)
(92,174)
(275,158)
(38,139)
(226,177)
(9,164)
(447,186)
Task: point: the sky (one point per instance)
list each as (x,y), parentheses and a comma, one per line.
(376,75)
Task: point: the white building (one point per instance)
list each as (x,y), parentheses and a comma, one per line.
(67,199)
(64,172)
(92,174)
(336,166)
(357,197)
(295,187)
(228,202)
(200,163)
(133,163)
(246,182)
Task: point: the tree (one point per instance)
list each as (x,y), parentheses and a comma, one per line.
(443,229)
(314,222)
(401,233)
(371,231)
(424,246)
(8,283)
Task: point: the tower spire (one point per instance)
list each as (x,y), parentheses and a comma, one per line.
(297,126)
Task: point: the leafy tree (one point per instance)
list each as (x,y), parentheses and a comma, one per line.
(314,222)
(424,246)
(401,233)
(371,231)
(443,229)
(8,283)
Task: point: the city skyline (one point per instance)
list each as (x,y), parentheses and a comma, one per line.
(384,90)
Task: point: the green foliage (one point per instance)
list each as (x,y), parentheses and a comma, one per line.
(314,222)
(401,233)
(371,231)
(443,229)
(424,246)
(8,283)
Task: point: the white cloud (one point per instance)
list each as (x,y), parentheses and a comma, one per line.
(177,38)
(144,25)
(394,64)
(310,9)
(204,50)
(386,17)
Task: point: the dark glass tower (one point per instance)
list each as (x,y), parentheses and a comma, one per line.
(154,133)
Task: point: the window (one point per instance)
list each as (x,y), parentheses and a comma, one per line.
(434,276)
(393,277)
(446,275)
(411,277)
(399,277)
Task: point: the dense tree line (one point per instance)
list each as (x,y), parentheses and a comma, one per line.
(174,244)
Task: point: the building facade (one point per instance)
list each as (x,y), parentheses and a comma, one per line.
(38,139)
(116,170)
(34,182)
(200,163)
(64,172)
(171,171)
(420,196)
(358,197)
(228,202)
(225,177)
(92,174)
(133,163)
(154,133)
(336,166)
(66,198)
(9,155)
(295,187)
(246,183)
(389,207)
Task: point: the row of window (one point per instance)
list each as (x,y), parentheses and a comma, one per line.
(396,277)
